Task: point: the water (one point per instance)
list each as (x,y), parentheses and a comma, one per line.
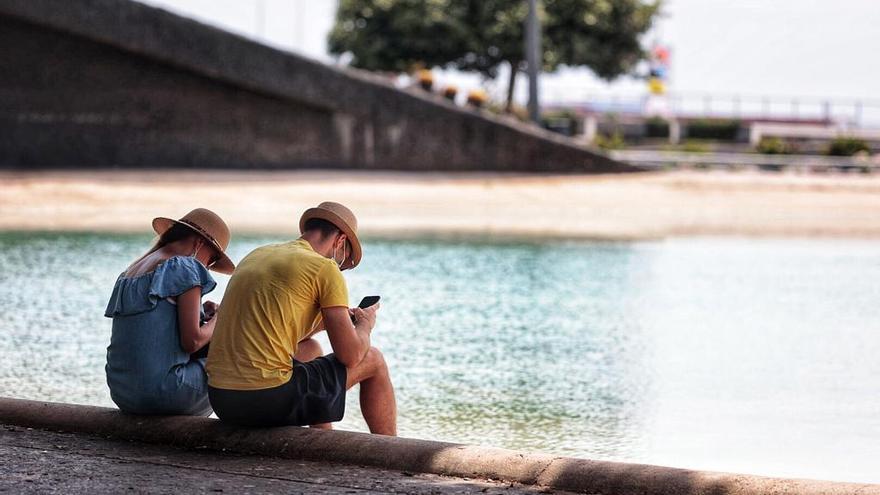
(755,356)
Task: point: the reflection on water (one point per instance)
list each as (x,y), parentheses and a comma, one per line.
(734,355)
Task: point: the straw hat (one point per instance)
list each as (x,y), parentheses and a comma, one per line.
(344,220)
(210,226)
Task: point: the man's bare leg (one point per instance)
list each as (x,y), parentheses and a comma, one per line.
(306,351)
(378,404)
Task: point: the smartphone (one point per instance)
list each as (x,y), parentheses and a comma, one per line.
(368,301)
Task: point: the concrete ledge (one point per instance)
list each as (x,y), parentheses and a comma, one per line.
(561,473)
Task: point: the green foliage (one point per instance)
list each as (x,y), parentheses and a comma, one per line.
(564,113)
(480,35)
(397,35)
(563,121)
(689,146)
(520,113)
(603,35)
(774,146)
(719,129)
(613,142)
(847,146)
(694,147)
(656,127)
(562,124)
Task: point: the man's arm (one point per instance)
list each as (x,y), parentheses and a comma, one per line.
(317,326)
(350,342)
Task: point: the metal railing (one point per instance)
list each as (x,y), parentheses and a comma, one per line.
(849,112)
(805,163)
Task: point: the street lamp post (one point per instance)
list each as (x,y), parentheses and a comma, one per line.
(533,59)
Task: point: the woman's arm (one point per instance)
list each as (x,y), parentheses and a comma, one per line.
(192,336)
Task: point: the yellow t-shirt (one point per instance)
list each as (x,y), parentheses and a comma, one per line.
(270,304)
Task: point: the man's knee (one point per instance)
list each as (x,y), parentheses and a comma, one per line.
(307,350)
(376,361)
(373,364)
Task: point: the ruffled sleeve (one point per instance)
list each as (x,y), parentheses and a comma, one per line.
(178,275)
(173,277)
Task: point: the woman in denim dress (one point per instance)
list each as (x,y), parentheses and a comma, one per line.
(156,357)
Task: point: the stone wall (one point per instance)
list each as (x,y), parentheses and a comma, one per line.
(114,83)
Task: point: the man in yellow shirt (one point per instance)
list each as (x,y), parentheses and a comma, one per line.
(264,369)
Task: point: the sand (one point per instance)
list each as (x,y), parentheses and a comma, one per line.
(620,207)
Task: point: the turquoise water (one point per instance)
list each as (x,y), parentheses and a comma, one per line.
(737,355)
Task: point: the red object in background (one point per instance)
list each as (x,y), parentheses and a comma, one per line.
(661,53)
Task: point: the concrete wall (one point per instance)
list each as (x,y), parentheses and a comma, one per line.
(103,83)
(406,454)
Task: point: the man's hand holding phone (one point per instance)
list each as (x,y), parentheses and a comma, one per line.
(365,313)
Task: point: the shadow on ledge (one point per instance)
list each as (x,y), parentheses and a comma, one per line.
(562,473)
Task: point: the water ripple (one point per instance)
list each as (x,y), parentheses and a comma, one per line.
(731,355)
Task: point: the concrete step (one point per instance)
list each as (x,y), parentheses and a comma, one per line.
(38,461)
(403,454)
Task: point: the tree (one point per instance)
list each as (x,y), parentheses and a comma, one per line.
(483,35)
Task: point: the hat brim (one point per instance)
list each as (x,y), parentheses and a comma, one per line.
(341,224)
(223,265)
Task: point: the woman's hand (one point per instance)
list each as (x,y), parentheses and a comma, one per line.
(193,336)
(211,309)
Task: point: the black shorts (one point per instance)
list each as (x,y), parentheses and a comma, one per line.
(315,394)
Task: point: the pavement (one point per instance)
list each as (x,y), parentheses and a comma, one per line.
(185,453)
(37,461)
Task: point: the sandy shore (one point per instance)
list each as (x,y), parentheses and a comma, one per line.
(634,206)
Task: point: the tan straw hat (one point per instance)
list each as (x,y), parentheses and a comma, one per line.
(210,226)
(344,220)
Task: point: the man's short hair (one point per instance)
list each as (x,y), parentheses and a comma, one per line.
(327,229)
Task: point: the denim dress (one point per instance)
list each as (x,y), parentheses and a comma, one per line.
(147,370)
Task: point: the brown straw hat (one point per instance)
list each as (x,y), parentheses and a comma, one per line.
(344,220)
(210,226)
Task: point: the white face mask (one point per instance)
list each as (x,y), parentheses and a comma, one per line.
(196,252)
(340,263)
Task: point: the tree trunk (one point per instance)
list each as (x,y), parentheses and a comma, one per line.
(511,84)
